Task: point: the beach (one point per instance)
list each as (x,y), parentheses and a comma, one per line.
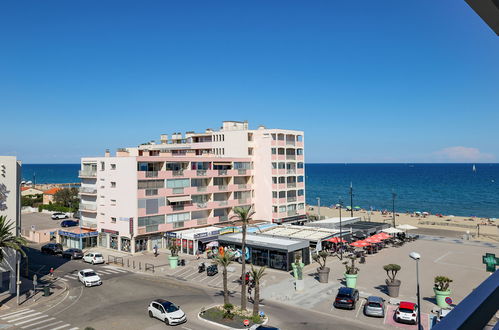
(445,225)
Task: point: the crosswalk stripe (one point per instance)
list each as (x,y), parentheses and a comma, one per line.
(36,323)
(112,271)
(24,316)
(19,311)
(48,325)
(71,276)
(31,320)
(116,269)
(75,328)
(104,272)
(63,326)
(17,314)
(63,279)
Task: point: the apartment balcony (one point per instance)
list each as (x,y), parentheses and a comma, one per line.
(243,187)
(88,191)
(300,185)
(151,174)
(242,172)
(243,201)
(202,188)
(291,171)
(87,174)
(281,143)
(202,205)
(223,203)
(291,185)
(177,173)
(300,171)
(201,172)
(200,222)
(177,191)
(223,188)
(290,157)
(223,218)
(290,143)
(300,199)
(88,208)
(223,172)
(291,213)
(291,199)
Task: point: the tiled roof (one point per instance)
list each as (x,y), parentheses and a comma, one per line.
(51,191)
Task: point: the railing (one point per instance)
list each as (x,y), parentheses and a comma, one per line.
(222,203)
(291,199)
(202,189)
(290,156)
(203,221)
(242,186)
(179,224)
(290,171)
(201,205)
(87,224)
(291,185)
(201,172)
(115,260)
(91,174)
(178,190)
(241,172)
(151,192)
(148,267)
(223,218)
(151,174)
(88,207)
(177,207)
(222,172)
(222,187)
(292,212)
(178,173)
(242,200)
(151,228)
(290,142)
(91,191)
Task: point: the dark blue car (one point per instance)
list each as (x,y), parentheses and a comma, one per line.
(69,223)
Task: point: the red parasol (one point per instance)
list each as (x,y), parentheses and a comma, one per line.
(360,244)
(336,240)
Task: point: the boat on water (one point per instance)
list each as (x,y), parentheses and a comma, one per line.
(474,168)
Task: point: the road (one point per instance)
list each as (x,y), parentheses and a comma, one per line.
(121,303)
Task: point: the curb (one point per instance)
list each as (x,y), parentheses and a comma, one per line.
(224,326)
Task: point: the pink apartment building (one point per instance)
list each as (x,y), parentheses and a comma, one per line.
(132,199)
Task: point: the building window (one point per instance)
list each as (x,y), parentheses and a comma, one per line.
(282,179)
(102,166)
(274,166)
(250,151)
(300,165)
(250,136)
(274,151)
(177,183)
(113,166)
(274,209)
(282,194)
(300,192)
(179,217)
(274,180)
(282,209)
(281,166)
(113,184)
(273,136)
(300,178)
(274,194)
(113,220)
(299,151)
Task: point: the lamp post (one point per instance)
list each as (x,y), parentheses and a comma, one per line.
(416,256)
(319,207)
(393,210)
(341,232)
(351,199)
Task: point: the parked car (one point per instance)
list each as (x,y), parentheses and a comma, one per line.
(375,306)
(69,223)
(212,270)
(407,312)
(52,248)
(89,278)
(346,298)
(59,216)
(262,327)
(72,254)
(167,312)
(93,258)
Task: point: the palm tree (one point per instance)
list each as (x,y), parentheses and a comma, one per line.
(257,275)
(224,261)
(7,240)
(244,215)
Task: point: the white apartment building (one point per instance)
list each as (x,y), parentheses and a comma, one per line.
(132,199)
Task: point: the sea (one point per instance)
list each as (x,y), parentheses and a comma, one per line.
(450,189)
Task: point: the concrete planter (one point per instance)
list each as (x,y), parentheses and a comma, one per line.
(440,297)
(173,262)
(323,274)
(393,288)
(299,285)
(295,269)
(351,280)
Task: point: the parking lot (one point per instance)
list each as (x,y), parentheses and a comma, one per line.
(40,221)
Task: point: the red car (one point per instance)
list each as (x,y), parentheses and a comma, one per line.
(407,312)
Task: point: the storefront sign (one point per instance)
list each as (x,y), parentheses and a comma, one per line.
(75,235)
(206,234)
(109,231)
(170,234)
(229,230)
(131,226)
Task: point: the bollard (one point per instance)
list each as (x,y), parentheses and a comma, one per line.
(140,264)
(128,263)
(134,264)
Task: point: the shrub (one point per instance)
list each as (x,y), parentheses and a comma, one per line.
(54,208)
(442,283)
(228,313)
(391,271)
(351,269)
(320,258)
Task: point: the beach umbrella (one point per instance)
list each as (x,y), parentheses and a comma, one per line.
(212,244)
(392,230)
(406,227)
(360,244)
(380,236)
(357,207)
(372,240)
(335,240)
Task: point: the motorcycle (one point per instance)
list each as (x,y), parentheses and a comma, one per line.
(201,267)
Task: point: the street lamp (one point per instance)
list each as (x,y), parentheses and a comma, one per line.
(416,256)
(351,199)
(340,202)
(319,206)
(393,210)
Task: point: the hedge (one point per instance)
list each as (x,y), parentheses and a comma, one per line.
(53,207)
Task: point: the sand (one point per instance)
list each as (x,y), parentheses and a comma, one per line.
(449,226)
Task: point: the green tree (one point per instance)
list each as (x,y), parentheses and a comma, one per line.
(8,240)
(224,261)
(257,275)
(243,214)
(67,197)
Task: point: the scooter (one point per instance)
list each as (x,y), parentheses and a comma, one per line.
(201,267)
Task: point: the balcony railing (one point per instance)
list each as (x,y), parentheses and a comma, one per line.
(151,228)
(292,212)
(201,205)
(222,187)
(222,172)
(88,191)
(177,207)
(87,224)
(88,207)
(178,173)
(290,156)
(151,174)
(202,188)
(201,172)
(178,190)
(290,171)
(223,218)
(290,142)
(222,203)
(179,224)
(291,199)
(291,185)
(203,221)
(88,174)
(241,172)
(242,186)
(151,192)
(242,200)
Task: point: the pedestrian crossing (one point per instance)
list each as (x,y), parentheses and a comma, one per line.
(104,270)
(191,274)
(31,319)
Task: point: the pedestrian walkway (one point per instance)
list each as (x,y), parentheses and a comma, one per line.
(31,319)
(458,241)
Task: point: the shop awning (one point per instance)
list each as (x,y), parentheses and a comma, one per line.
(179,199)
(222,164)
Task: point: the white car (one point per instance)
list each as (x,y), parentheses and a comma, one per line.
(89,278)
(93,258)
(59,216)
(167,312)
(407,312)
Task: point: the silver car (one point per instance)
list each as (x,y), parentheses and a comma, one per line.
(375,306)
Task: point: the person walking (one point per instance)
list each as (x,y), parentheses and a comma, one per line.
(155,250)
(51,271)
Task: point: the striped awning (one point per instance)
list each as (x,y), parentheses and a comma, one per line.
(175,199)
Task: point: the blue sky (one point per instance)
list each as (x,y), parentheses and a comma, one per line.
(368,81)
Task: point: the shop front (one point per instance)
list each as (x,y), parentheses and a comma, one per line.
(273,252)
(194,240)
(80,238)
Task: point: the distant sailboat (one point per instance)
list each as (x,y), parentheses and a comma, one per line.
(474,168)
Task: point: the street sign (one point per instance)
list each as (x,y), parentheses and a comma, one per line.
(491,262)
(448,300)
(246,322)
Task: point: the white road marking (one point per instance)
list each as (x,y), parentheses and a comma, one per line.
(74,302)
(75,328)
(116,269)
(31,320)
(112,271)
(358,310)
(48,325)
(106,272)
(36,323)
(24,316)
(24,310)
(72,276)
(63,279)
(442,256)
(62,326)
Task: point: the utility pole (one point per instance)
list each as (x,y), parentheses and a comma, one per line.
(341,232)
(351,199)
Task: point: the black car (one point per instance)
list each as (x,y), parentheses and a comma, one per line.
(346,298)
(72,254)
(69,223)
(212,270)
(52,248)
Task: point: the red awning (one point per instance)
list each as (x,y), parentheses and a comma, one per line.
(335,240)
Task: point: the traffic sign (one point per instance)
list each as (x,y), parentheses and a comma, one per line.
(448,300)
(246,322)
